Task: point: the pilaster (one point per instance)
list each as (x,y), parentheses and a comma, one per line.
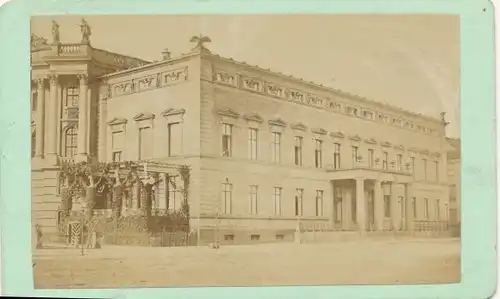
(53,118)
(83,106)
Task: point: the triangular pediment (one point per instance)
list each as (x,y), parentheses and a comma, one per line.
(277,122)
(424,152)
(370,141)
(399,147)
(228,112)
(355,138)
(117,121)
(253,117)
(299,127)
(337,135)
(413,149)
(319,131)
(144,116)
(386,144)
(436,154)
(173,111)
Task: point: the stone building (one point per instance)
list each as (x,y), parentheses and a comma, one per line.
(454,179)
(266,150)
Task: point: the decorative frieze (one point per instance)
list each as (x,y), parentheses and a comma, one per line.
(174,76)
(252,84)
(147,82)
(123,88)
(298,96)
(225,78)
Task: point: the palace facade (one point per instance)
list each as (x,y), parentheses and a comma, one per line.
(266,150)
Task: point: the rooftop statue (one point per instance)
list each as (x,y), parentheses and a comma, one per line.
(86,32)
(200,40)
(55,33)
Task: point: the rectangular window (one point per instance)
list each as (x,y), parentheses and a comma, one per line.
(387,206)
(436,166)
(276,147)
(424,163)
(412,165)
(34,101)
(354,156)
(174,139)
(117,145)
(399,163)
(384,161)
(117,156)
(145,143)
(426,208)
(298,202)
(438,209)
(72,95)
(227,197)
(414,207)
(227,140)
(401,206)
(277,201)
(253,199)
(252,143)
(318,153)
(370,158)
(298,150)
(319,202)
(336,156)
(174,196)
(255,237)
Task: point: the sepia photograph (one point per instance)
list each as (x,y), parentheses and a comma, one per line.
(245,150)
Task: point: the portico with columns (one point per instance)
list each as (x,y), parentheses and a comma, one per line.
(369,200)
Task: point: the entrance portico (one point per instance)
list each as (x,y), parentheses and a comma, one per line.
(367,200)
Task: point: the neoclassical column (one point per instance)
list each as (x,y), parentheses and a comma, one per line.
(360,204)
(40,118)
(52,120)
(394,208)
(378,206)
(103,127)
(163,202)
(346,208)
(83,118)
(408,207)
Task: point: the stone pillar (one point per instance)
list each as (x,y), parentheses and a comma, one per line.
(378,206)
(136,195)
(163,202)
(394,208)
(40,118)
(52,120)
(346,209)
(409,208)
(360,204)
(103,127)
(83,118)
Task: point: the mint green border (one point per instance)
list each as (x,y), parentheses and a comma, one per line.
(478,144)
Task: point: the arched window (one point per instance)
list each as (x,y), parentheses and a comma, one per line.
(70,139)
(33,144)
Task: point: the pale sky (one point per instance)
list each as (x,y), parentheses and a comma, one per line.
(410,61)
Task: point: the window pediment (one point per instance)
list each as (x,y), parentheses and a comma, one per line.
(173,111)
(413,149)
(277,122)
(424,152)
(319,131)
(144,116)
(399,147)
(253,117)
(117,121)
(337,135)
(436,154)
(386,144)
(370,141)
(229,113)
(299,127)
(355,138)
